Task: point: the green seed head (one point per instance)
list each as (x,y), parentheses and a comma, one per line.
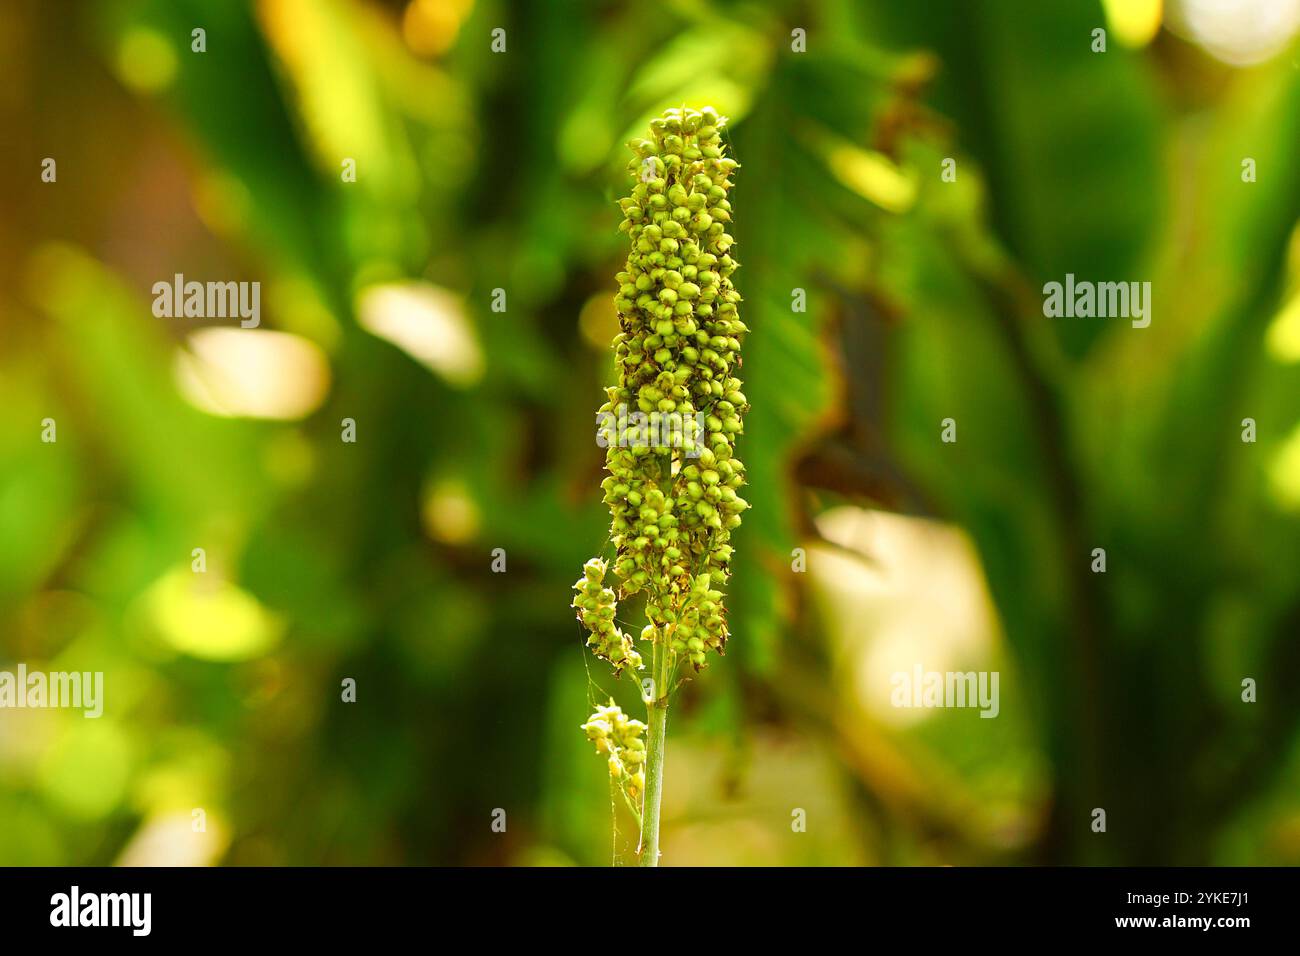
(673,478)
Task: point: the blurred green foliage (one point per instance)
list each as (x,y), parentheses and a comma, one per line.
(479,171)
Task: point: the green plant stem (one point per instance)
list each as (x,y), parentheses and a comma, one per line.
(631,807)
(657,722)
(613,813)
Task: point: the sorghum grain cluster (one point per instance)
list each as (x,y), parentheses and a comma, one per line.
(674,499)
(614,733)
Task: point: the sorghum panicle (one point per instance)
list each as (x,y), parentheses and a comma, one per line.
(673,498)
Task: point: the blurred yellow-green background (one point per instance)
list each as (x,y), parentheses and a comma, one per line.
(372,560)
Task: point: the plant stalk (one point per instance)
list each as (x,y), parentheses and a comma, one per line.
(657,723)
